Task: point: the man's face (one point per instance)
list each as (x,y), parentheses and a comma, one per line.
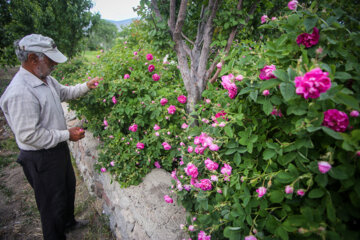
(44,67)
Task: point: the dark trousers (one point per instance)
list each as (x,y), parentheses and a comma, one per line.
(52,177)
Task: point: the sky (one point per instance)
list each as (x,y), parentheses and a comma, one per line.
(115,9)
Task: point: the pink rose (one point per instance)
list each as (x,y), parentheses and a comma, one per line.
(168,199)
(205,184)
(300,192)
(214,178)
(155,77)
(267,72)
(171,109)
(250,237)
(106,123)
(308,40)
(135,53)
(166,146)
(336,120)
(208,101)
(239,77)
(157,164)
(226,170)
(354,113)
(149,56)
(157,134)
(264,18)
(140,145)
(219,65)
(103,169)
(202,236)
(114,100)
(156,127)
(126,76)
(184,126)
(182,99)
(276,112)
(191,228)
(261,191)
(133,128)
(292,5)
(191,170)
(210,165)
(151,68)
(266,92)
(214,147)
(112,163)
(289,189)
(324,167)
(163,101)
(312,83)
(273,18)
(190,149)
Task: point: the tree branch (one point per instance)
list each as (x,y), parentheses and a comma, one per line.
(183,35)
(230,40)
(156,10)
(171,21)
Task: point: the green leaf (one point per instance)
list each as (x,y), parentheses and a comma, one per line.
(341,172)
(268,84)
(287,91)
(285,177)
(330,210)
(342,75)
(332,133)
(269,153)
(316,193)
(253,95)
(229,131)
(347,100)
(237,159)
(310,23)
(276,196)
(232,233)
(282,233)
(292,74)
(267,107)
(281,74)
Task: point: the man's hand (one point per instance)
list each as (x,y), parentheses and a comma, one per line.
(76,133)
(93,83)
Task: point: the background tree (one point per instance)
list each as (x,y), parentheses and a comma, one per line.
(67,22)
(102,35)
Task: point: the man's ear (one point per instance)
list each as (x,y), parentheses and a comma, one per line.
(33,58)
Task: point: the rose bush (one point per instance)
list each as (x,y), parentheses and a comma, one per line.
(272,157)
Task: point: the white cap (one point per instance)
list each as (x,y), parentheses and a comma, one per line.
(41,44)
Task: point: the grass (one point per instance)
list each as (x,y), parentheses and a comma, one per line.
(90,56)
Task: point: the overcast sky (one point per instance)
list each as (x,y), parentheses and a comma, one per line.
(115,9)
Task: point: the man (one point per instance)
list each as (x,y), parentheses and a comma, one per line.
(32,107)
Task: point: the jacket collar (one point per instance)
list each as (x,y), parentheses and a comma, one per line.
(31,79)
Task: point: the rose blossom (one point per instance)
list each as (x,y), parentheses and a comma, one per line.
(191,170)
(140,145)
(264,18)
(266,92)
(289,189)
(354,113)
(226,170)
(157,134)
(191,228)
(114,100)
(184,126)
(190,149)
(171,109)
(214,147)
(157,164)
(239,77)
(250,237)
(182,99)
(106,123)
(163,101)
(133,128)
(155,77)
(300,192)
(149,56)
(202,236)
(168,199)
(267,72)
(205,184)
(103,169)
(112,163)
(210,165)
(151,68)
(324,167)
(219,65)
(308,40)
(187,187)
(292,5)
(126,76)
(156,127)
(336,120)
(312,83)
(214,178)
(261,191)
(166,146)
(135,53)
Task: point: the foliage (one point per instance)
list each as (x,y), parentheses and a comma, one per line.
(273,141)
(102,35)
(65,21)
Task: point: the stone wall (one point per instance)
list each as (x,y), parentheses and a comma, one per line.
(137,212)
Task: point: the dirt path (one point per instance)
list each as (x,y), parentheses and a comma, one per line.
(19,217)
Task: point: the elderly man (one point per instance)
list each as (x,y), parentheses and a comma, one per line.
(32,106)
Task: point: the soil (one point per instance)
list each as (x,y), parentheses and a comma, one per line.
(19,217)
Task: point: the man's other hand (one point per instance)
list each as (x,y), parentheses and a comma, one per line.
(76,133)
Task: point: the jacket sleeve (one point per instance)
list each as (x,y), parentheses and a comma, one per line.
(70,92)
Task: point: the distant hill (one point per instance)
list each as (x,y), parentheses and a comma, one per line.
(121,23)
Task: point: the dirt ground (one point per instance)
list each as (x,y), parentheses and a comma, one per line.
(19,217)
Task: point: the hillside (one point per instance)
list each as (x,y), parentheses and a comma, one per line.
(121,23)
